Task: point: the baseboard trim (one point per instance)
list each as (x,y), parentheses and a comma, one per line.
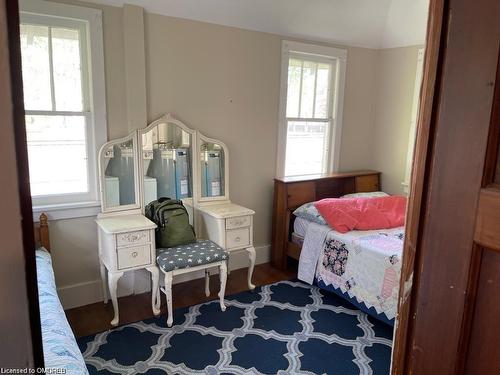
(86,293)
(80,294)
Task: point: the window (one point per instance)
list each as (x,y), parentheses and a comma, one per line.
(62,66)
(311,103)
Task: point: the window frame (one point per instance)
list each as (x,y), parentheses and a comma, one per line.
(89,22)
(315,53)
(413,120)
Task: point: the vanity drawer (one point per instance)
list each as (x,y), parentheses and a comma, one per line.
(133,238)
(133,256)
(237,238)
(238,222)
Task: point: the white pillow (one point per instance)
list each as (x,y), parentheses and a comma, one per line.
(371,194)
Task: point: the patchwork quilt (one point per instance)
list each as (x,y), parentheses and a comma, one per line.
(363,266)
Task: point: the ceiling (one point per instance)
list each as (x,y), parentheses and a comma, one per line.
(363,23)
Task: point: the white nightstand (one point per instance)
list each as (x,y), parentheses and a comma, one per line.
(127,243)
(231,227)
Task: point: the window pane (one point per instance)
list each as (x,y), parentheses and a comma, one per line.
(57,154)
(305,147)
(294,74)
(322,91)
(67,69)
(35,66)
(307,99)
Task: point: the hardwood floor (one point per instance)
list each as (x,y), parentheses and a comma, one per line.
(94,318)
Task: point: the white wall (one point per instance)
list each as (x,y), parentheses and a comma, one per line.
(395,75)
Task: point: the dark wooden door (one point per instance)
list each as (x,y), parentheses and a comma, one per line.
(481,342)
(454,316)
(20,334)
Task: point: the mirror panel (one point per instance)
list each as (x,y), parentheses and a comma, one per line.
(166,162)
(212,169)
(118,165)
(160,161)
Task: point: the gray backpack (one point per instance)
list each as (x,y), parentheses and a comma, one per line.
(172,220)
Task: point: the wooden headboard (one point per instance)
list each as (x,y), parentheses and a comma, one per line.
(292,192)
(42,233)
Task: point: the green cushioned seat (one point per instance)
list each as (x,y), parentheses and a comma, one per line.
(190,255)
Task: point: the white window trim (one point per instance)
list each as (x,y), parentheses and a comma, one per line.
(96,95)
(413,122)
(304,49)
(67,210)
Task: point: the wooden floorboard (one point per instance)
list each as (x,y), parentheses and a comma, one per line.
(94,318)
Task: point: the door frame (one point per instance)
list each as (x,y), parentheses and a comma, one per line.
(10,12)
(434,46)
(440,256)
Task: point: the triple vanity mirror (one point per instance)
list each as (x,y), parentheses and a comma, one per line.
(165,159)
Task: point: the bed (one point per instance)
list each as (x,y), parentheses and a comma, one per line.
(362,281)
(60,350)
(360,266)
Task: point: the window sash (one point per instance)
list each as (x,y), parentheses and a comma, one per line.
(312,146)
(82,27)
(90,194)
(317,60)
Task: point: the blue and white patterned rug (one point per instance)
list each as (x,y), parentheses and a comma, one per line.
(284,328)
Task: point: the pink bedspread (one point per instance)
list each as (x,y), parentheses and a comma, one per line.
(344,215)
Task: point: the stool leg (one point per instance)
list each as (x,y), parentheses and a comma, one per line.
(207,283)
(251,257)
(223,279)
(168,293)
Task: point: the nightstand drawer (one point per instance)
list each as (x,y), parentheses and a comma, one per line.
(237,238)
(133,256)
(132,238)
(238,222)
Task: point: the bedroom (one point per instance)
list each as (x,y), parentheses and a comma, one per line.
(259,121)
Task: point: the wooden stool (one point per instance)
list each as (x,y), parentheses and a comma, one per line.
(200,255)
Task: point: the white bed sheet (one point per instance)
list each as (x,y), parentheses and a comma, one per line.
(300,226)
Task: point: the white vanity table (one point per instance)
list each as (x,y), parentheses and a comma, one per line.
(127,243)
(231,227)
(165,159)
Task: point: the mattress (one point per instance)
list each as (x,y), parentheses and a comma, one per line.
(361,266)
(60,350)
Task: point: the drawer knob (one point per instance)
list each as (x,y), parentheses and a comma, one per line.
(237,239)
(134,254)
